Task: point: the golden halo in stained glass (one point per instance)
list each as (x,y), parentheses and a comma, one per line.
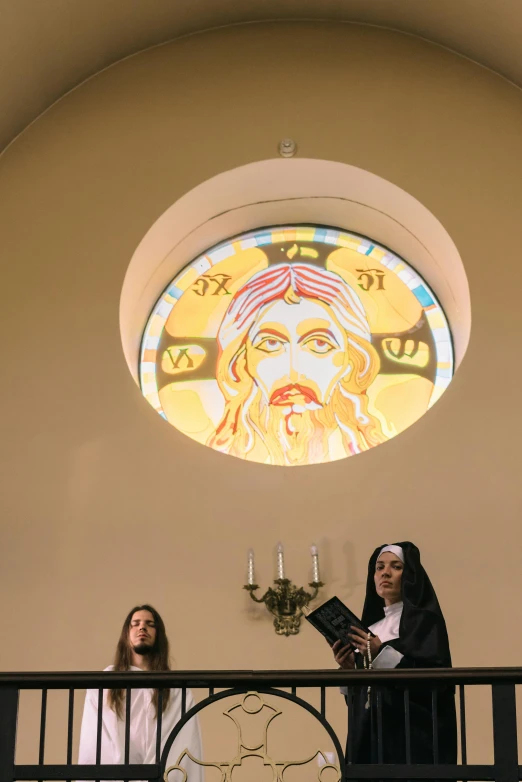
(295,345)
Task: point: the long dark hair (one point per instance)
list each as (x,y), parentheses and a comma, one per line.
(158,659)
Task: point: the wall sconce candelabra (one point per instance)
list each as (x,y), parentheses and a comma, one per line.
(285,601)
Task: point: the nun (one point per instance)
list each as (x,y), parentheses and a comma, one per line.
(407,630)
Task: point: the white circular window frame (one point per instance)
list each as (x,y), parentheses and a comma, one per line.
(292,191)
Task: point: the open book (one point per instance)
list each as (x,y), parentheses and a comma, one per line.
(334,620)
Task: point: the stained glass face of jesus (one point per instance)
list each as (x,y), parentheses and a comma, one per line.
(298,345)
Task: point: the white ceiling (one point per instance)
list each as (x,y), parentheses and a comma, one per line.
(47,47)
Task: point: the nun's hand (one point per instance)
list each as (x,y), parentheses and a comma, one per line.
(343,655)
(360,640)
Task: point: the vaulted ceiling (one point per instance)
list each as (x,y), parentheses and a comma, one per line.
(48,47)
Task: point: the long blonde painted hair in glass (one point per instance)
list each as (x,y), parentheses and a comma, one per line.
(246,424)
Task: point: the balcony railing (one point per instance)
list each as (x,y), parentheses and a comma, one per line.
(272,689)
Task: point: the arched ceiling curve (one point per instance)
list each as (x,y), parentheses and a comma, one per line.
(48,48)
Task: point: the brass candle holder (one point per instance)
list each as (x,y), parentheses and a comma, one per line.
(286,603)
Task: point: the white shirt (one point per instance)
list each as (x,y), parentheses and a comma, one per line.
(387,629)
(142,745)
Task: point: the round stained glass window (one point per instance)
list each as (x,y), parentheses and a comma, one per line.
(295,345)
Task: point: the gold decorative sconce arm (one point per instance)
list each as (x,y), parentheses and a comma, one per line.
(286,603)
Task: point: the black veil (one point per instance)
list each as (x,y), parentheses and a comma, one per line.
(423,642)
(423,634)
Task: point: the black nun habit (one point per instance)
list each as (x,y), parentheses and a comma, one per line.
(423,640)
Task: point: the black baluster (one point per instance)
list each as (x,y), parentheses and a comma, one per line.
(407,724)
(99,728)
(70,727)
(8,716)
(434,709)
(379,725)
(323,702)
(349,748)
(463,743)
(505,733)
(183,701)
(158,725)
(43,721)
(128,702)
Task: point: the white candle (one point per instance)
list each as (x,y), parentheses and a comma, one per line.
(251,567)
(315,564)
(280,561)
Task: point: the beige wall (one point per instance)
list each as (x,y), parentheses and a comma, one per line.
(104,505)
